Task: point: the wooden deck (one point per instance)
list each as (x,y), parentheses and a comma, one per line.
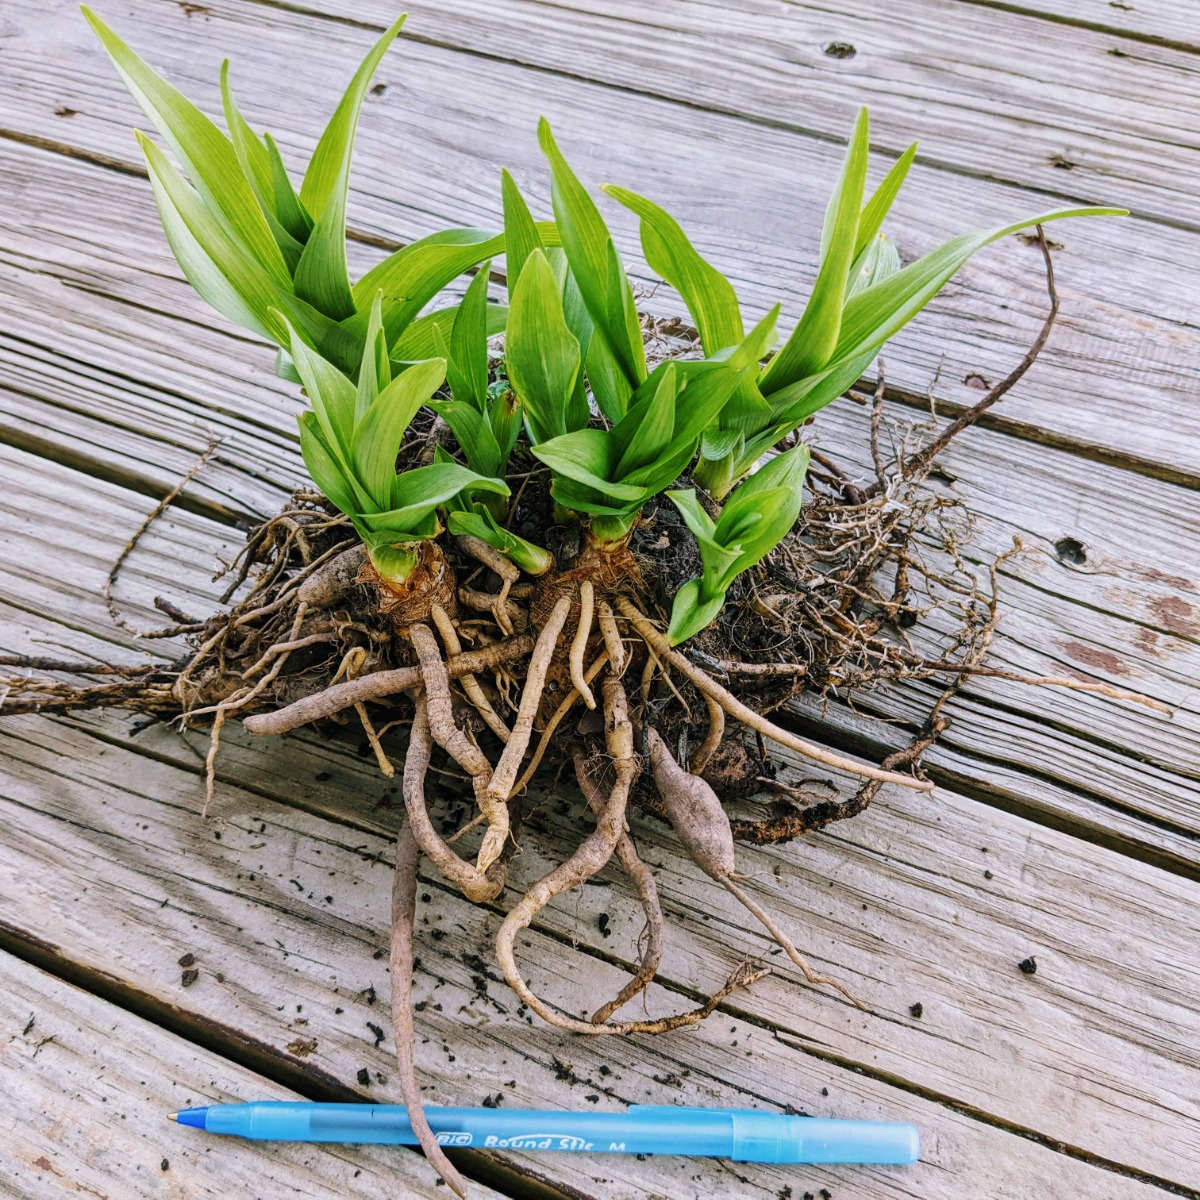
(150,958)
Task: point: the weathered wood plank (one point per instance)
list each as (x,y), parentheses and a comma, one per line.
(1129,303)
(992,94)
(85,1087)
(280,906)
(1153,21)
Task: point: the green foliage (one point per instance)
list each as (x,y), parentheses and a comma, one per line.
(352,435)
(755,519)
(861,297)
(269,257)
(609,474)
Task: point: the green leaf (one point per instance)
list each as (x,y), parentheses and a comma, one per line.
(231,279)
(256,165)
(587,457)
(468,362)
(709,296)
(321,276)
(877,208)
(473,433)
(656,425)
(533,560)
(205,152)
(378,435)
(541,354)
(521,237)
(293,216)
(587,243)
(375,371)
(323,468)
(815,337)
(415,273)
(417,341)
(689,614)
(416,495)
(878,312)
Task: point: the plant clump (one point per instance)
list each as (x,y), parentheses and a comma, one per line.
(554,533)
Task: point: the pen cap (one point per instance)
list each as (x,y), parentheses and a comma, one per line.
(825,1141)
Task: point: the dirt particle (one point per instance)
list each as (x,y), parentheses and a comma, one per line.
(987,875)
(187,960)
(165,1165)
(602,925)
(916,1010)
(376,1033)
(188,977)
(838,50)
(493,1101)
(302,1047)
(379,89)
(1028,966)
(364,1077)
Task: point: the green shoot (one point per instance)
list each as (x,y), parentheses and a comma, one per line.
(755,519)
(350,440)
(861,298)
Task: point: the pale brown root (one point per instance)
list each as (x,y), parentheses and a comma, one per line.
(475,885)
(702,825)
(556,719)
(647,679)
(516,618)
(404,908)
(587,601)
(726,666)
(326,585)
(505,774)
(617,654)
(716,731)
(752,720)
(589,858)
(210,760)
(508,571)
(772,927)
(643,880)
(379,684)
(458,745)
(385,763)
(470,684)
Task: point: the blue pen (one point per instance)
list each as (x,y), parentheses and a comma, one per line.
(744,1135)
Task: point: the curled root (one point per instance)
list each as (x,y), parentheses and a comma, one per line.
(458,744)
(404,904)
(643,880)
(587,600)
(503,778)
(478,886)
(590,857)
(701,824)
(716,731)
(704,682)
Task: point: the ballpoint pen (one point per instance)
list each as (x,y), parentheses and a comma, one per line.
(744,1135)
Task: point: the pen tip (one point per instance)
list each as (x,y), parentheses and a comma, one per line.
(173,1116)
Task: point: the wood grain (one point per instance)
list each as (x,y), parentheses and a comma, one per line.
(283,911)
(444,113)
(85,1087)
